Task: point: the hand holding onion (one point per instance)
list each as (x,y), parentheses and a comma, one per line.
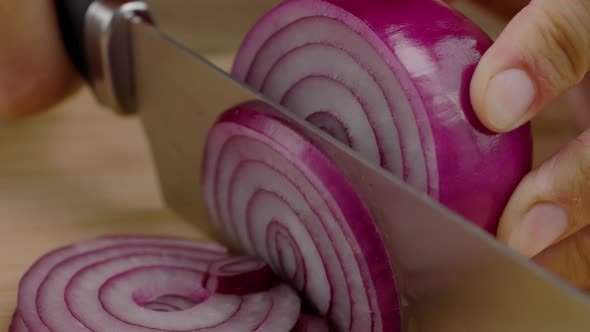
(543,53)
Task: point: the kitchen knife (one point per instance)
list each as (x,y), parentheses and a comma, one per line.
(452,276)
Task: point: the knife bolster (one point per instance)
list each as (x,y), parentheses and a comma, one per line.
(96,34)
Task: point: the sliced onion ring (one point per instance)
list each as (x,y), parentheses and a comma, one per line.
(391,80)
(132,283)
(279,198)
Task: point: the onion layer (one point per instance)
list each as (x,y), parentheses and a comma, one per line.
(148,284)
(279,198)
(391,80)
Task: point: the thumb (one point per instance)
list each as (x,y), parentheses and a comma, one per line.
(543,51)
(552,203)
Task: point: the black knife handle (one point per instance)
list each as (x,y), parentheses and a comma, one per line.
(71,16)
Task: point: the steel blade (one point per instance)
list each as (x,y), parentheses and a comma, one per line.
(453,276)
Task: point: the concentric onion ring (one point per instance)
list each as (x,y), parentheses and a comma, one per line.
(281,199)
(133,283)
(391,80)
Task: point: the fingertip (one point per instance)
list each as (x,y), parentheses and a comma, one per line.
(540,227)
(503,92)
(508,99)
(550,203)
(531,63)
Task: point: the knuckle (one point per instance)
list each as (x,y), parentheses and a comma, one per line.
(565,33)
(565,179)
(577,263)
(580,150)
(577,168)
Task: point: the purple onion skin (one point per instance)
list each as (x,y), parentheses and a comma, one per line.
(487,166)
(435,50)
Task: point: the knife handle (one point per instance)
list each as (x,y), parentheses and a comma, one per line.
(96,36)
(71,16)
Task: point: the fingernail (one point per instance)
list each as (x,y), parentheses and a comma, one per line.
(509,96)
(540,228)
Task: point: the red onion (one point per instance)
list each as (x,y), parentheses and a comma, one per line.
(150,284)
(279,198)
(390,78)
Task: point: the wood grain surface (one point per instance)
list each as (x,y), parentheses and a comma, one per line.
(80,171)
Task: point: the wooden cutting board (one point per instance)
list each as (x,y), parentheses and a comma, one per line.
(80,171)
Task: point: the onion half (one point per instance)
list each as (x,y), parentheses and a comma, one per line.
(391,80)
(279,198)
(133,283)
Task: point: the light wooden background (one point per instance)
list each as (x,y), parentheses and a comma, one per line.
(80,171)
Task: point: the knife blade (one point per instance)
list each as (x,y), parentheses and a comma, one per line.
(452,276)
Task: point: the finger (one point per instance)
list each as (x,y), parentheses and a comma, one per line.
(577,99)
(551,203)
(34,69)
(569,259)
(543,51)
